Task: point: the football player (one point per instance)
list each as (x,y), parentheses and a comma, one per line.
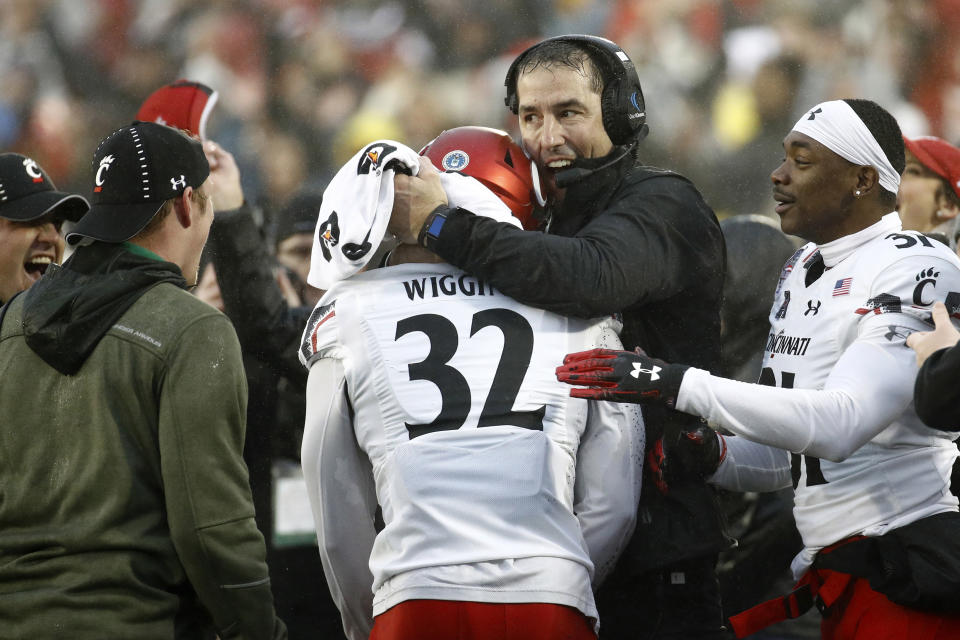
(835,418)
(503,501)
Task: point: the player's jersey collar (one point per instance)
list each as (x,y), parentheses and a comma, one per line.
(837,250)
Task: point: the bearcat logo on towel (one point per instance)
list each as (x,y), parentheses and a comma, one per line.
(353,251)
(329,235)
(372,157)
(883,303)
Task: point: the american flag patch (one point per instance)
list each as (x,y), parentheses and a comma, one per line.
(842,287)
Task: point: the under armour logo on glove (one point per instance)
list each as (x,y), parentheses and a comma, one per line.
(614,375)
(637,370)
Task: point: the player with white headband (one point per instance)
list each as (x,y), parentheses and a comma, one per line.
(832,413)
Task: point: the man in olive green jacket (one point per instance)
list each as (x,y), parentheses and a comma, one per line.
(125,508)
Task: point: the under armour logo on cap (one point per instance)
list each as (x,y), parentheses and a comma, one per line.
(178,184)
(813,114)
(638,369)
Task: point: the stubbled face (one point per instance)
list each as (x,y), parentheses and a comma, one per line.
(26,250)
(560,119)
(917,200)
(813,188)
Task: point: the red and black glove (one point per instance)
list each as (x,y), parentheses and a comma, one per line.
(698,452)
(622,376)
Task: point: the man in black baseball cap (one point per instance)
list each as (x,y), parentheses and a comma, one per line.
(31,213)
(134,391)
(136,170)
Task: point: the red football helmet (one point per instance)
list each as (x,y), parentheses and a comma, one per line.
(493,158)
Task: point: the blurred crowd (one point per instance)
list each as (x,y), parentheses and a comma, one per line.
(304,83)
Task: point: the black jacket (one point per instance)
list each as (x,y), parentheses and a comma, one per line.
(635,240)
(266,325)
(936,394)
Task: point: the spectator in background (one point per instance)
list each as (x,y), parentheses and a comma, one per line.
(768,110)
(929,198)
(292,236)
(31,214)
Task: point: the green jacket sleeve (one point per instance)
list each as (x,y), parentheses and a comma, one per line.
(203,399)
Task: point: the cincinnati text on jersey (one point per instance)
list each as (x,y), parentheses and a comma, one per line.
(447,285)
(780,343)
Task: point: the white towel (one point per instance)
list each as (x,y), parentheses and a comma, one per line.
(359,200)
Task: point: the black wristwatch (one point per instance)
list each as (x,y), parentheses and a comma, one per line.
(430,230)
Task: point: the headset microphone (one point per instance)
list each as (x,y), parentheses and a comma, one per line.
(567,177)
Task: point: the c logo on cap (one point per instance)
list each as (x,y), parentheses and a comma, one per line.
(104,165)
(33,170)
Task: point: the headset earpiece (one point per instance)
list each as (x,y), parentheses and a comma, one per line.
(621,103)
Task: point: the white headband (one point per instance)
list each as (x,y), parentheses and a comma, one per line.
(837,126)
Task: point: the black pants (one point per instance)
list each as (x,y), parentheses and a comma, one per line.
(681,602)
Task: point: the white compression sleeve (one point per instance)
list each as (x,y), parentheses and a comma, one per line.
(871,384)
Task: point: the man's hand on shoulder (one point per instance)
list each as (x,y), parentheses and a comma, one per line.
(622,376)
(414,198)
(223,185)
(945,335)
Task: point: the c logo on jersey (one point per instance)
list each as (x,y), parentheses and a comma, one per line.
(883,303)
(329,235)
(373,156)
(925,277)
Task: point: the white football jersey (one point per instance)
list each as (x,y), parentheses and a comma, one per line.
(880,290)
(472,441)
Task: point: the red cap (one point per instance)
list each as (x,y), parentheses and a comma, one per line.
(939,156)
(183,104)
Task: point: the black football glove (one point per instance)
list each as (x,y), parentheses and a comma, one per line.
(698,452)
(622,376)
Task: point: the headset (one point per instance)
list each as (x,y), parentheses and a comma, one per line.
(621,103)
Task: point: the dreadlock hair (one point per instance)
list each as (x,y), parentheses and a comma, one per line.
(887,133)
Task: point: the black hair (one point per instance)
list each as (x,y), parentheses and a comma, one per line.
(887,133)
(567,54)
